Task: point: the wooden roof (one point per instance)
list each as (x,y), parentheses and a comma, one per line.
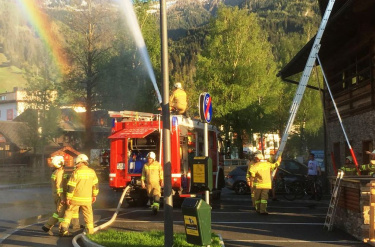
(14,132)
(343,25)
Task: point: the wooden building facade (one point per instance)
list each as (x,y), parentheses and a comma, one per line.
(347,55)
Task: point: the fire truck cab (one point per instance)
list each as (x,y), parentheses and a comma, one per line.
(135,134)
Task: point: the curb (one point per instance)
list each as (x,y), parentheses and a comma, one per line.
(221,240)
(87,242)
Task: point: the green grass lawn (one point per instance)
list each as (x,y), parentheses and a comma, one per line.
(112,238)
(11,77)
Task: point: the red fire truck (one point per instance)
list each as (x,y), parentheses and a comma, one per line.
(134,134)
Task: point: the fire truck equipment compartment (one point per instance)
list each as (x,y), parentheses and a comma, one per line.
(136,132)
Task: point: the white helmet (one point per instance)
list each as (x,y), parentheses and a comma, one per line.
(178,85)
(151,155)
(82,158)
(58,161)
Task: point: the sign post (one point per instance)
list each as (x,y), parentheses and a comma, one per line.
(205,113)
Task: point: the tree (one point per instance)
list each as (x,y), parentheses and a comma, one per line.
(125,83)
(237,68)
(89,42)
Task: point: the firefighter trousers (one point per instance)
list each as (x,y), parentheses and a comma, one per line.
(58,215)
(74,210)
(261,197)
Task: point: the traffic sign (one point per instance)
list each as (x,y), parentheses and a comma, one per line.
(205,107)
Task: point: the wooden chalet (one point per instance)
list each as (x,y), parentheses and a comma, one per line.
(68,153)
(13,147)
(347,55)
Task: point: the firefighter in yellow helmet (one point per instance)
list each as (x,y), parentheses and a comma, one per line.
(349,167)
(261,175)
(58,194)
(178,99)
(252,186)
(82,191)
(152,180)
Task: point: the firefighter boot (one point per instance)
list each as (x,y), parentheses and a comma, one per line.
(47,230)
(155,208)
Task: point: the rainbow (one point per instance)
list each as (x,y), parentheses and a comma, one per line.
(43,26)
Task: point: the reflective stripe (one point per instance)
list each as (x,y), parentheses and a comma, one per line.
(69,195)
(176,175)
(53,176)
(66,221)
(112,175)
(60,190)
(71,183)
(56,216)
(81,199)
(90,225)
(75,216)
(95,192)
(263,201)
(264,185)
(61,220)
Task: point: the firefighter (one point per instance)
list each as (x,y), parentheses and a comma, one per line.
(252,186)
(349,167)
(82,192)
(261,176)
(369,169)
(58,194)
(152,175)
(178,100)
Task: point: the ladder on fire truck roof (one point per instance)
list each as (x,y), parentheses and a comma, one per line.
(305,77)
(333,203)
(134,115)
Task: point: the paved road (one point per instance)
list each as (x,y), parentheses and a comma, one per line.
(289,223)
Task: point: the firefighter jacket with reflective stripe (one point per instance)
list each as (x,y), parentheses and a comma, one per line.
(367,169)
(152,173)
(178,100)
(57,182)
(261,172)
(349,169)
(82,186)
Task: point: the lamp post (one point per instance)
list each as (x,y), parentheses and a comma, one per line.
(168,199)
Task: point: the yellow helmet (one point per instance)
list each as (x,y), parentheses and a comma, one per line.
(58,161)
(82,158)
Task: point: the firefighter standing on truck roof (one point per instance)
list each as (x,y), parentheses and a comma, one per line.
(152,173)
(261,175)
(82,191)
(349,167)
(58,194)
(178,99)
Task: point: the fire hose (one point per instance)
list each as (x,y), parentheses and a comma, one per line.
(102,226)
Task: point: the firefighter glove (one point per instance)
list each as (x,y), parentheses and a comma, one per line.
(93,199)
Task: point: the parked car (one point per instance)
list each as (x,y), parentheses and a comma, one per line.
(236,180)
(290,170)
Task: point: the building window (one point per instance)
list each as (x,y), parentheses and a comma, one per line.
(7,147)
(10,114)
(366,146)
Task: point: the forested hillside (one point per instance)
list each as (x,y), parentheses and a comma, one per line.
(90,57)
